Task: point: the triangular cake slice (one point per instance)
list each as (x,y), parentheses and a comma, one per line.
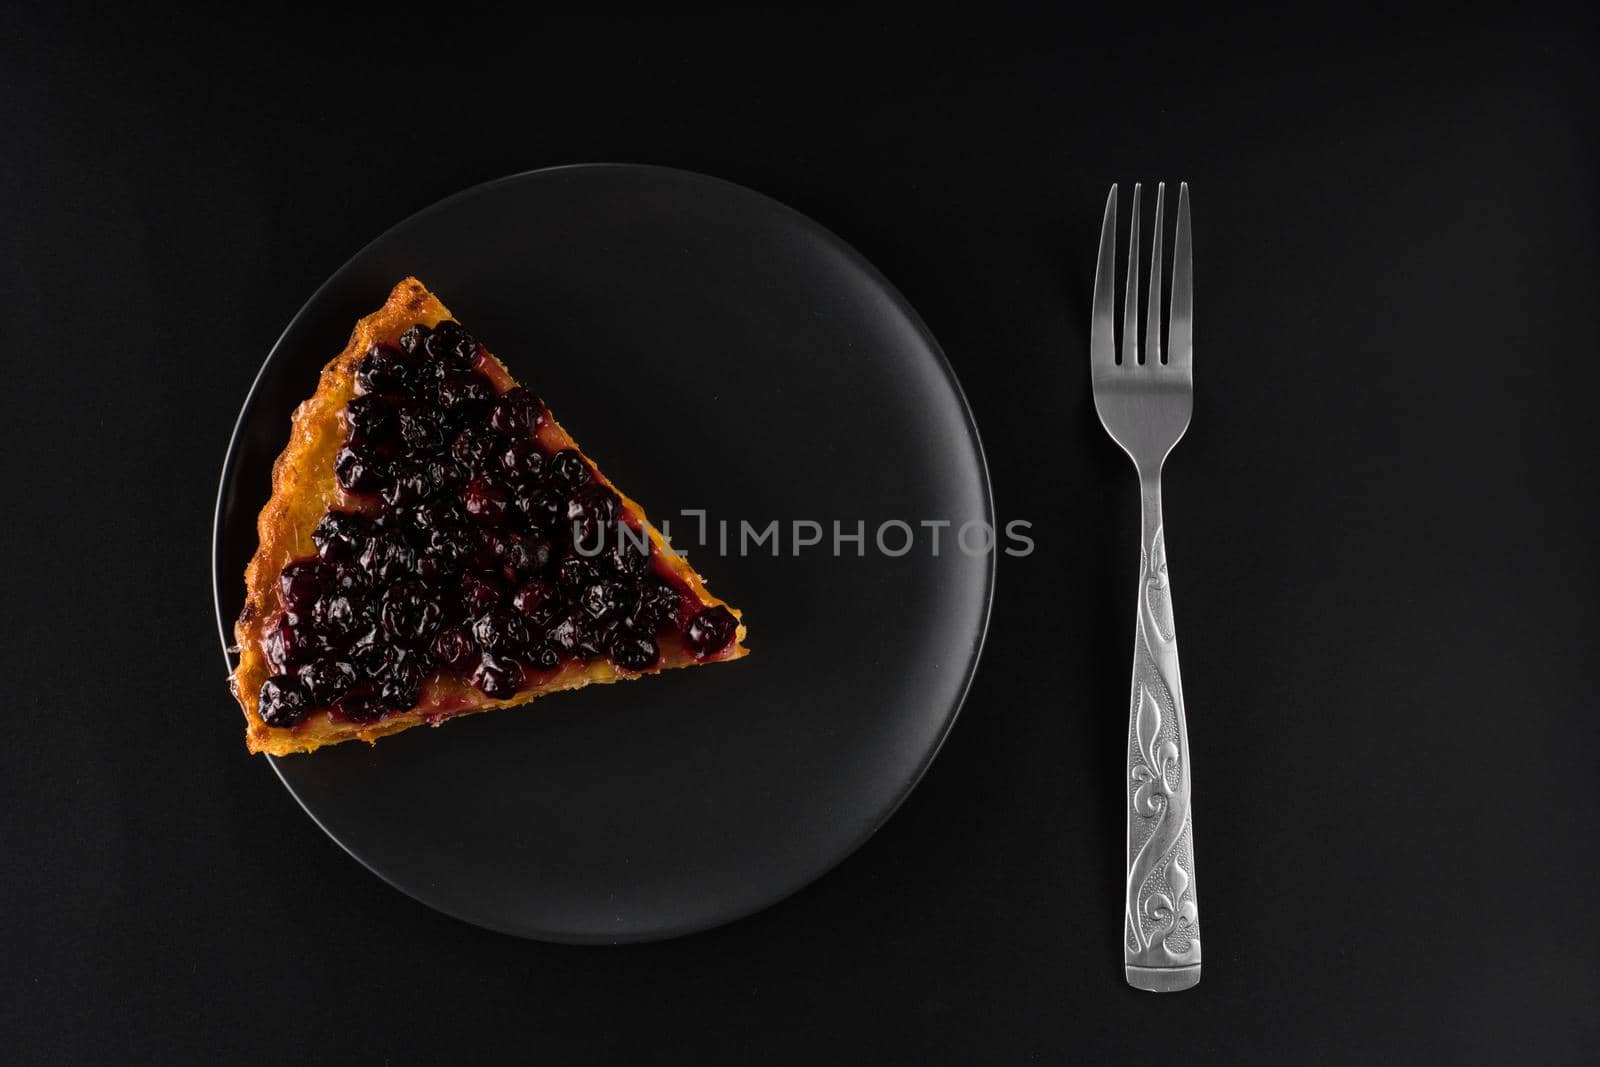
(437,545)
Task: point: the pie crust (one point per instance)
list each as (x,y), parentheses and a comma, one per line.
(304,489)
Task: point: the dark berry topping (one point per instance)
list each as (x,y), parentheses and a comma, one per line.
(348,577)
(447,549)
(527,554)
(302,581)
(438,514)
(366,652)
(603,598)
(453,347)
(455,649)
(490,555)
(284,701)
(630,553)
(659,604)
(485,501)
(369,415)
(592,512)
(478,594)
(573,573)
(410,614)
(445,474)
(412,340)
(475,552)
(516,412)
(563,633)
(568,470)
(339,617)
(501,632)
(385,369)
(498,676)
(475,446)
(465,396)
(357,473)
(431,568)
(710,631)
(361,706)
(340,535)
(626,607)
(595,636)
(426,377)
(380,449)
(522,462)
(289,642)
(327,680)
(533,597)
(388,557)
(544,657)
(422,429)
(400,678)
(634,652)
(407,485)
(540,508)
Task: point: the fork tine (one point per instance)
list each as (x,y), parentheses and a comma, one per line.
(1152,322)
(1180,336)
(1130,297)
(1102,320)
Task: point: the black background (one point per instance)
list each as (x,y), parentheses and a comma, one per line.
(1380,530)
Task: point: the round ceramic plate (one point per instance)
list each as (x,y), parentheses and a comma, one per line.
(729,364)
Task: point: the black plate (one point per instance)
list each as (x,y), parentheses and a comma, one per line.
(712,350)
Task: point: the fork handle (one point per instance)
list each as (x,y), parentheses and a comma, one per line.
(1161,922)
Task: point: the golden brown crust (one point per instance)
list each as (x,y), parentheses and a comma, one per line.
(304,488)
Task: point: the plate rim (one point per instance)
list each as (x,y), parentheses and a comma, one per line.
(230,463)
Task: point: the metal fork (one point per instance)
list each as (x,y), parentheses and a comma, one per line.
(1144,400)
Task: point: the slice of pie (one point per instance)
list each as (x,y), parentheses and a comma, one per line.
(436,545)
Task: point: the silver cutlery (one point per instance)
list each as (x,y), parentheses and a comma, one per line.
(1144,398)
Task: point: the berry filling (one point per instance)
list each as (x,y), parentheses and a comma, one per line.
(472,557)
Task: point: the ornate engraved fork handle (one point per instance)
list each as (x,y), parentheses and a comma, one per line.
(1161,925)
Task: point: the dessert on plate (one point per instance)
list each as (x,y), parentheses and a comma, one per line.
(437,545)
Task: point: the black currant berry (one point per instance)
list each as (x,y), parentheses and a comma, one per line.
(711,630)
(284,701)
